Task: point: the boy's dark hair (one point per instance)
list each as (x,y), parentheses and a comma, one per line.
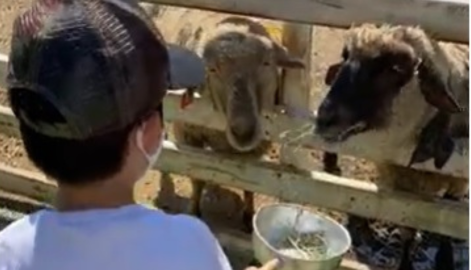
(72,162)
(82,75)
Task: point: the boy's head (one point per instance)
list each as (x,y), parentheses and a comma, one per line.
(86,81)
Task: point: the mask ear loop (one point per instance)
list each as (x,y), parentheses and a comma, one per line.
(140,134)
(139,138)
(160,111)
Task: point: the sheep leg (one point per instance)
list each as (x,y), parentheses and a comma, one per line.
(248,211)
(458,197)
(165,192)
(198,187)
(355,223)
(330,161)
(189,135)
(452,253)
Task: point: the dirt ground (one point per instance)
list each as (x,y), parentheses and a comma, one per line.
(224,205)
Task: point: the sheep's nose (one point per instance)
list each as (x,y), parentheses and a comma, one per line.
(242,126)
(327,116)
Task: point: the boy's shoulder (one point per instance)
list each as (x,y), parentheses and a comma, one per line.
(183,222)
(19,229)
(191,223)
(184,226)
(154,229)
(202,239)
(23,228)
(17,236)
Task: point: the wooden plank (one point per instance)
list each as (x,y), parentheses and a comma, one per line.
(446,19)
(297,132)
(284,130)
(19,203)
(280,128)
(3,69)
(8,123)
(151,9)
(296,88)
(304,187)
(33,185)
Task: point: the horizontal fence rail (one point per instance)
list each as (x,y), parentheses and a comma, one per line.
(279,128)
(446,19)
(314,188)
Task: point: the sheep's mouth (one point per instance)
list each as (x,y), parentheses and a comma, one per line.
(244,139)
(344,134)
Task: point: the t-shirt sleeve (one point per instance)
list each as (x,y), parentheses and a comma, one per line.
(217,256)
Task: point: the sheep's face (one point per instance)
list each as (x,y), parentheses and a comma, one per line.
(242,77)
(363,86)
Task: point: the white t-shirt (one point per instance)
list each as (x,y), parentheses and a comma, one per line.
(128,238)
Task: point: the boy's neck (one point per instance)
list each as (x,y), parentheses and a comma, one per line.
(100,195)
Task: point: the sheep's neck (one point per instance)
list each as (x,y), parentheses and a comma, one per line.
(397,139)
(409,115)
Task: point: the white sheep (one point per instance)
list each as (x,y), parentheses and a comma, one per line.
(407,94)
(391,84)
(242,64)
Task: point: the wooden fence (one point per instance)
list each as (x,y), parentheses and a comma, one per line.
(447,19)
(298,185)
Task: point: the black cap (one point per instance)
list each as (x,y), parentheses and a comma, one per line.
(101,63)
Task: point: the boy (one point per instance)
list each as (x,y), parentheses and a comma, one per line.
(86,82)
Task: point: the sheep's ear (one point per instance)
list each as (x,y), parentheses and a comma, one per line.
(436,91)
(285,60)
(434,142)
(331,73)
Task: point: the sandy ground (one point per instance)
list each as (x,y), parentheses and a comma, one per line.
(224,204)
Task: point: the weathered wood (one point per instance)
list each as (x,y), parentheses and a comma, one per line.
(448,20)
(8,123)
(21,203)
(33,185)
(151,9)
(280,128)
(298,133)
(314,188)
(284,130)
(296,86)
(3,69)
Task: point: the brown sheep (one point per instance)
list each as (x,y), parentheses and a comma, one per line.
(408,93)
(242,63)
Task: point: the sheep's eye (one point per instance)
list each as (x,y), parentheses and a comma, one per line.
(266,63)
(345,54)
(397,69)
(212,70)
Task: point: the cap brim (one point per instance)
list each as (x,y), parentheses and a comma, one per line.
(186,68)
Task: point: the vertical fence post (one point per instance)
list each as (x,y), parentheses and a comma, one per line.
(296,87)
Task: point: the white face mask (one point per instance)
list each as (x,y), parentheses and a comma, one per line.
(151,158)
